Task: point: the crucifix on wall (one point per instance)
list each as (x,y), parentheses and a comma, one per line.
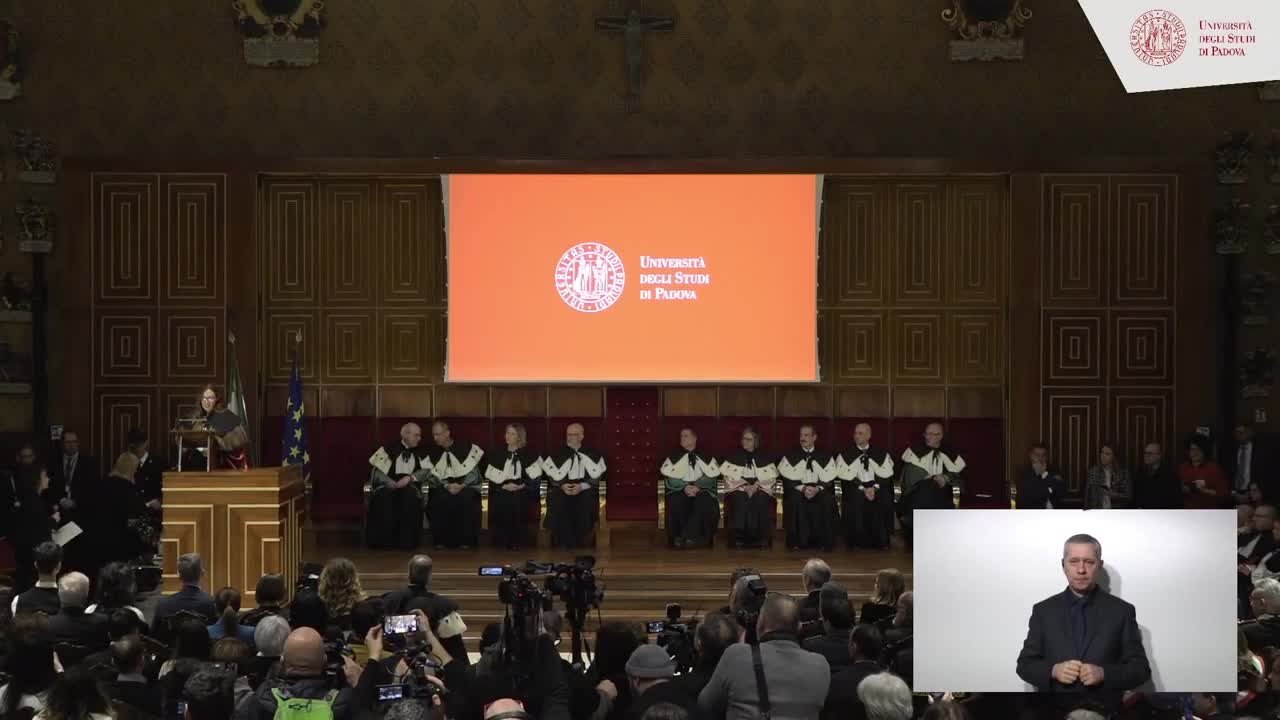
(633,26)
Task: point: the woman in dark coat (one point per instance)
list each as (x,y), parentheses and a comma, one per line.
(32,522)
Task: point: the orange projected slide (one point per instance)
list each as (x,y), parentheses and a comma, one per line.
(632,278)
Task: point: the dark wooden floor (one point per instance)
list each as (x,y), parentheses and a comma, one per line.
(639,572)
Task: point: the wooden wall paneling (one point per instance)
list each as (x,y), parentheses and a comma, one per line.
(575,402)
(288,236)
(243,288)
(519,402)
(350,346)
(176,401)
(1076,220)
(411,229)
(975,402)
(976,237)
(1142,342)
(119,410)
(1076,347)
(859,340)
(1140,416)
(1198,399)
(689,401)
(407,350)
(339,401)
(127,341)
(461,401)
(437,345)
(856,242)
(1074,421)
(71,363)
(916,353)
(1143,256)
(405,402)
(917,232)
(919,402)
(281,329)
(862,402)
(192,240)
(276,400)
(192,345)
(975,346)
(746,401)
(1024,422)
(346,242)
(124,254)
(805,402)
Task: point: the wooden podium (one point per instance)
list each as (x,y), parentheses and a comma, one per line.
(243,524)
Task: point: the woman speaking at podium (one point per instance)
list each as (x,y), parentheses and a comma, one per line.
(231,441)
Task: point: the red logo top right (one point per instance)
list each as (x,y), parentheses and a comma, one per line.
(1158,37)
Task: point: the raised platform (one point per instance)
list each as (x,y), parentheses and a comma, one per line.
(639,573)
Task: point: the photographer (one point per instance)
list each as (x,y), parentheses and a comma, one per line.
(649,673)
(304,679)
(537,684)
(745,603)
(715,634)
(796,680)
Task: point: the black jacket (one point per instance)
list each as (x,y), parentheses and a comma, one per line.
(842,698)
(1159,490)
(1113,642)
(667,692)
(190,599)
(73,625)
(143,696)
(84,477)
(1035,491)
(834,646)
(396,601)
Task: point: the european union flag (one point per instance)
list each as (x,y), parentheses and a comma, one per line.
(295,435)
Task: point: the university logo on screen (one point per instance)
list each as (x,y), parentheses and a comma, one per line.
(590,277)
(1158,37)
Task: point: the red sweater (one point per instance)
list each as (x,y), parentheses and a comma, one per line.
(1213,480)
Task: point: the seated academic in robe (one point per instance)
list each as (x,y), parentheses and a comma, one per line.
(1083,643)
(396,481)
(808,476)
(1040,485)
(574,473)
(866,486)
(453,502)
(749,479)
(514,473)
(689,478)
(930,472)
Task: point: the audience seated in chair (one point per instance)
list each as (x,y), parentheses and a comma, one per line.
(227,604)
(72,624)
(836,621)
(189,599)
(890,584)
(130,685)
(270,595)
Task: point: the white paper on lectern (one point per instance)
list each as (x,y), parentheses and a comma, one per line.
(66,533)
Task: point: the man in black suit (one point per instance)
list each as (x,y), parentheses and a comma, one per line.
(130,686)
(190,599)
(1156,486)
(1083,642)
(72,477)
(397,601)
(815,574)
(1040,485)
(72,624)
(866,644)
(1246,461)
(837,621)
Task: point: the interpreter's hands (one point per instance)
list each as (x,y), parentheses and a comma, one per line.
(373,642)
(691,490)
(870,493)
(454,488)
(1067,671)
(1090,675)
(810,491)
(352,670)
(608,689)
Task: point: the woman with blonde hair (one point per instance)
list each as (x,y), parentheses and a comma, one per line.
(890,584)
(514,474)
(340,590)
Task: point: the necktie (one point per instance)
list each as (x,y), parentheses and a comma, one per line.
(1078,628)
(70,469)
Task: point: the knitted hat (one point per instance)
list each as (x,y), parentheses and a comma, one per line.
(650,662)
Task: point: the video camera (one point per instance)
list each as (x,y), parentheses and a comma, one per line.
(309,577)
(574,584)
(676,637)
(748,610)
(334,653)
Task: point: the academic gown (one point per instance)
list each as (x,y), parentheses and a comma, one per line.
(749,518)
(691,520)
(395,514)
(572,518)
(919,463)
(810,522)
(867,523)
(455,517)
(509,509)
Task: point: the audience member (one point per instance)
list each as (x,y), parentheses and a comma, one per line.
(121,624)
(208,694)
(75,695)
(899,628)
(308,610)
(190,643)
(1244,518)
(397,601)
(604,691)
(1156,486)
(946,710)
(340,590)
(715,634)
(1264,629)
(665,711)
(190,598)
(864,649)
(31,670)
(1203,484)
(115,591)
(32,523)
(796,680)
(649,673)
(734,576)
(270,596)
(226,602)
(837,622)
(130,685)
(1213,706)
(44,596)
(72,624)
(303,678)
(885,697)
(1107,483)
(890,584)
(1245,462)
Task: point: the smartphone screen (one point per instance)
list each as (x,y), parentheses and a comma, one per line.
(390,692)
(657,626)
(400,624)
(491,571)
(182,708)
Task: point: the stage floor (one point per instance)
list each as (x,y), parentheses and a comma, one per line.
(639,572)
